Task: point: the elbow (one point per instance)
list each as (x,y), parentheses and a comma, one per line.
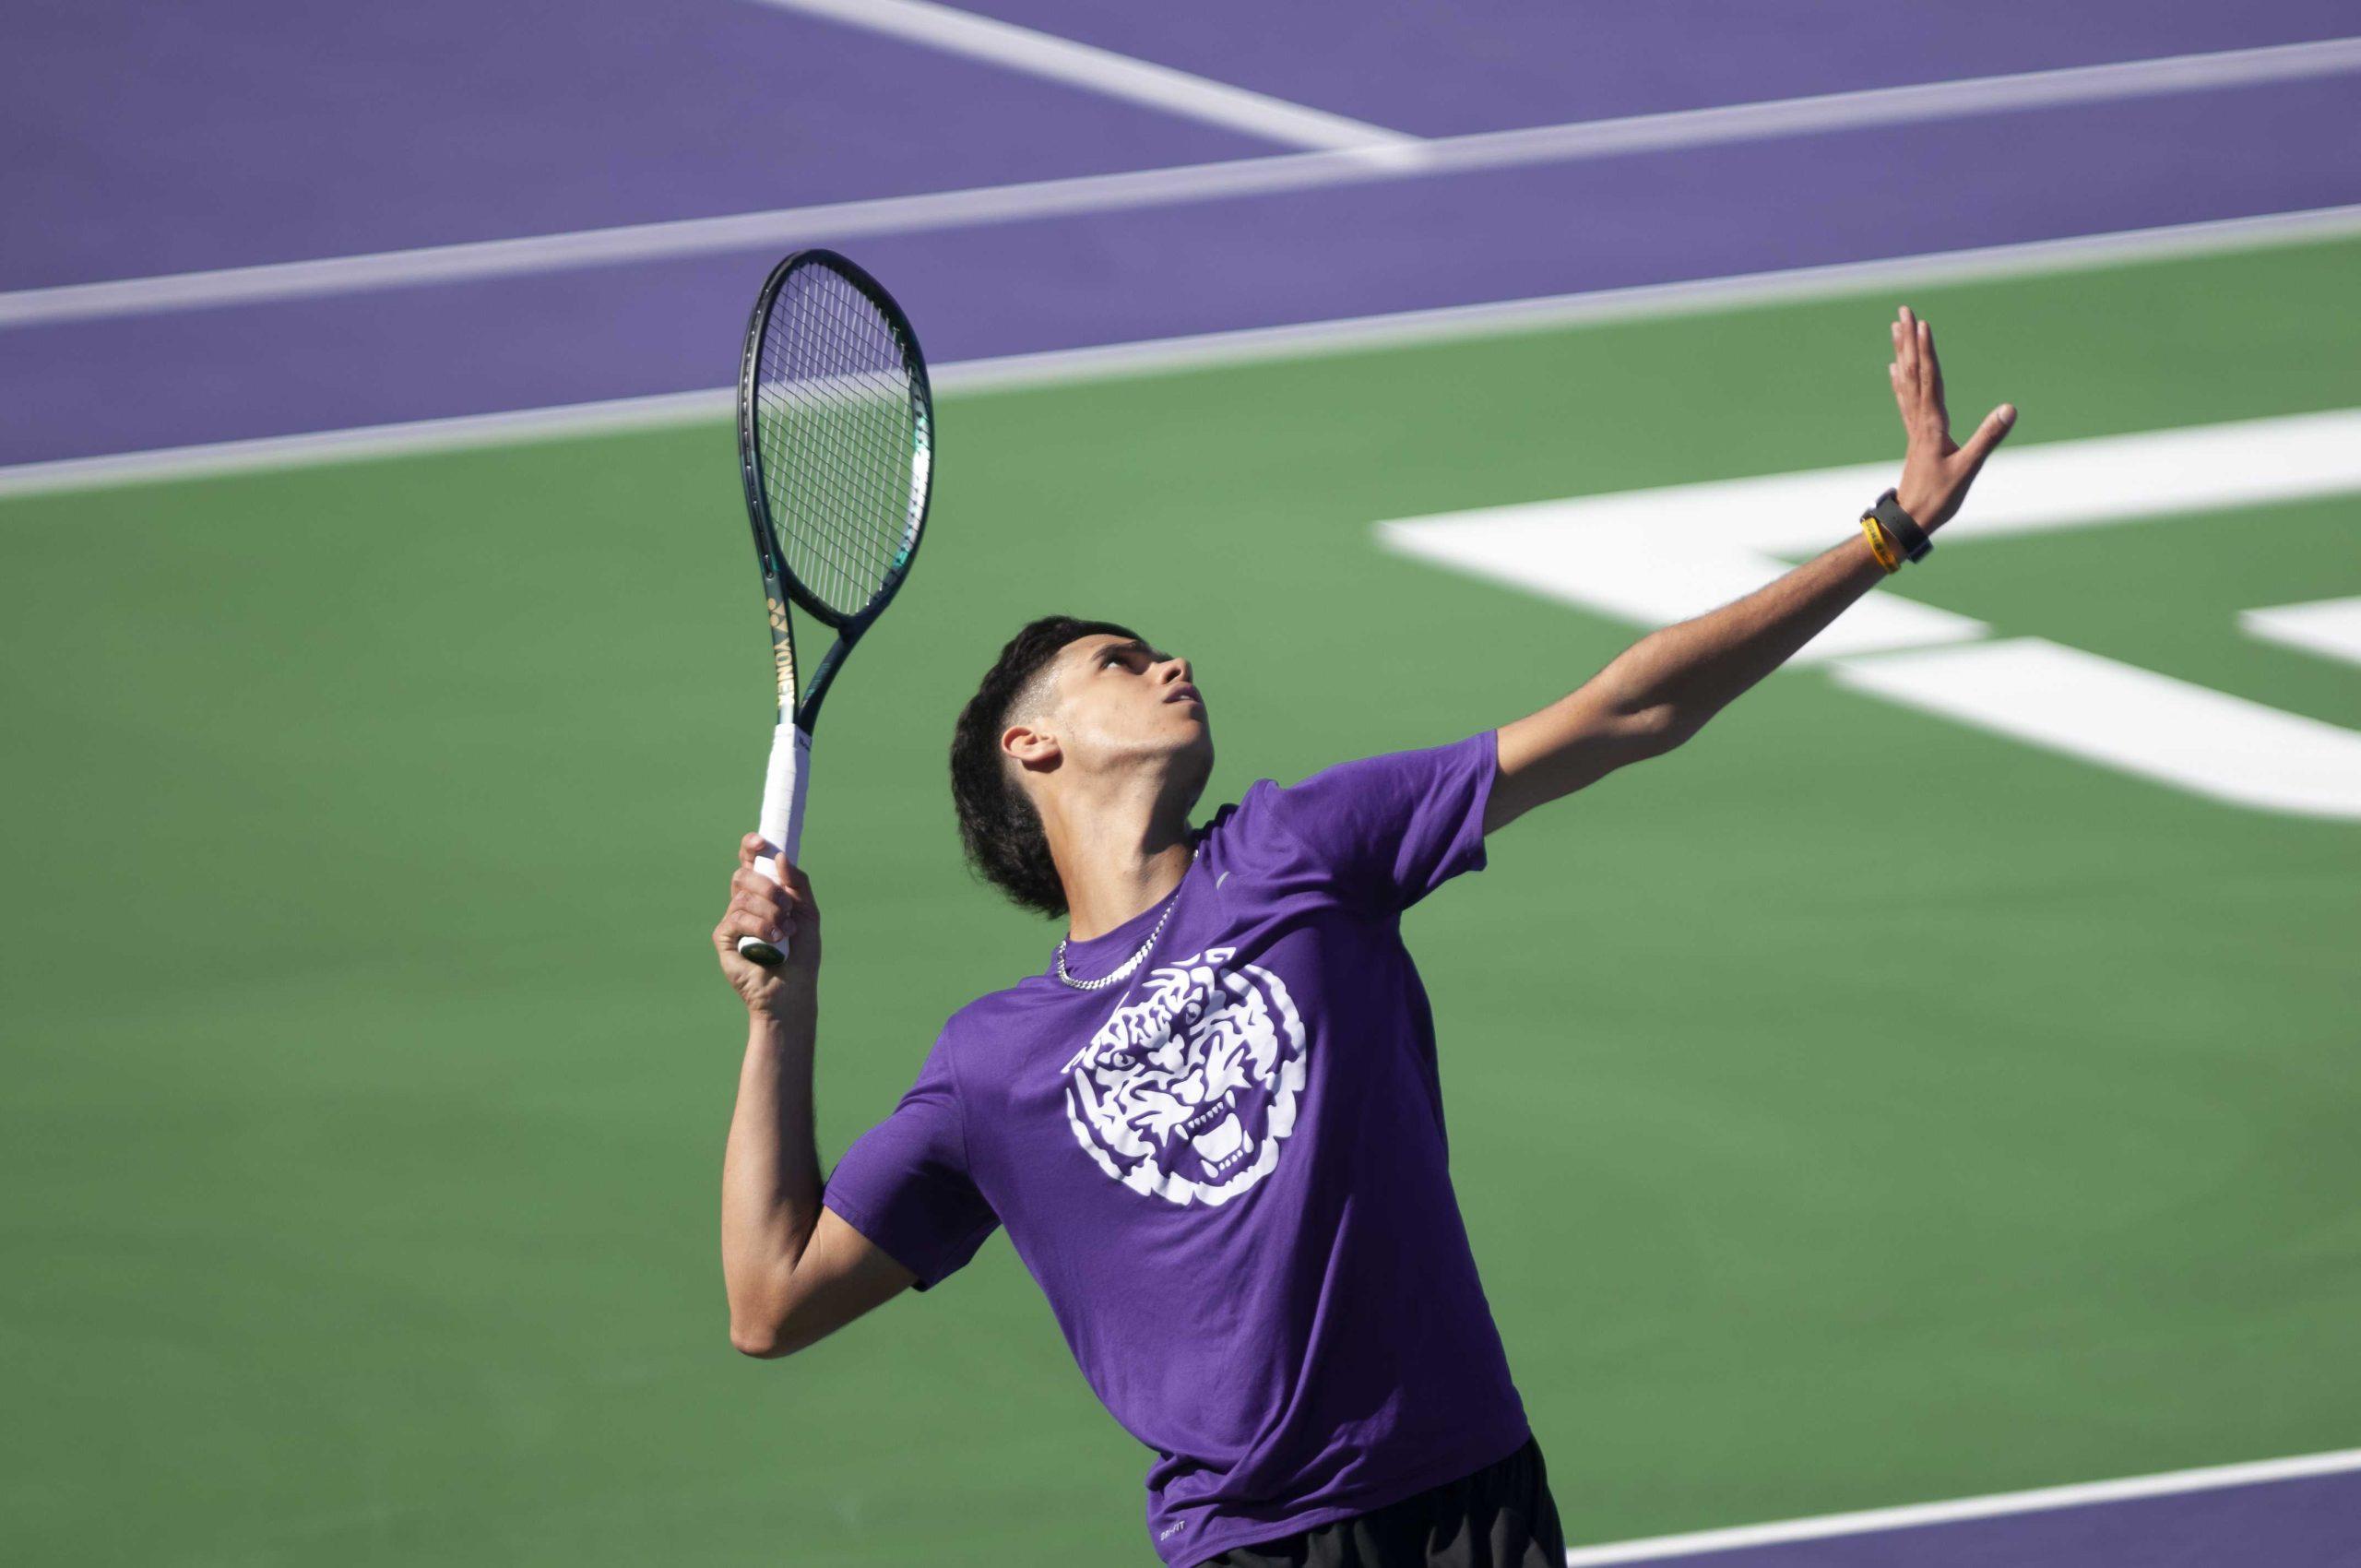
(763,1303)
(763,1330)
(1661,728)
(760,1346)
(763,1342)
(753,1339)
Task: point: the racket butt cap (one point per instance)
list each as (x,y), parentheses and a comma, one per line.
(754,950)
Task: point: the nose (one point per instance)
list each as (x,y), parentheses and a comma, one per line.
(1180,665)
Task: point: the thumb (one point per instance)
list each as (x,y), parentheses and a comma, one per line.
(1995,427)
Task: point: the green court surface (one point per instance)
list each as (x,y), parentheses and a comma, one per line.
(1849,1109)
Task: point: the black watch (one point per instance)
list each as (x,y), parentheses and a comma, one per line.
(1901,528)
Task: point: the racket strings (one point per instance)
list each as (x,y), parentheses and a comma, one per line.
(807,480)
(839,439)
(858,339)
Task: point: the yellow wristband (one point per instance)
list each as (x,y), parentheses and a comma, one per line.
(1880,546)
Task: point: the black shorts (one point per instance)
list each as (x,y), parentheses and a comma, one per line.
(1502,1517)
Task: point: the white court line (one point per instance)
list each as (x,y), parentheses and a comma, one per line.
(1213,350)
(1104,71)
(2331,627)
(1650,301)
(2171,1483)
(2138,722)
(839,221)
(456,433)
(1655,557)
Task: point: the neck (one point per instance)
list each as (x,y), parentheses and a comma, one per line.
(1119,851)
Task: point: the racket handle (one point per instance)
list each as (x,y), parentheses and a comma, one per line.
(782,822)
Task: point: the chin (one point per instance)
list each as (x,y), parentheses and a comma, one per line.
(1198,752)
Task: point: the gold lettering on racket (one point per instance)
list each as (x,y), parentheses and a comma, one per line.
(783,652)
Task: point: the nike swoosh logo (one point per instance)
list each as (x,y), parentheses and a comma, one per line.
(1219,880)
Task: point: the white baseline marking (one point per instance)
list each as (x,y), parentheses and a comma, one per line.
(1656,301)
(312,448)
(1213,350)
(1104,71)
(2171,1483)
(1159,187)
(2329,627)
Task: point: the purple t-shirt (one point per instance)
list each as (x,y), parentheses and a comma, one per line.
(1229,1171)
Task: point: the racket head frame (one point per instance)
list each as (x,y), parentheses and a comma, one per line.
(780,585)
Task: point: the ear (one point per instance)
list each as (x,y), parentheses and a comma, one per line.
(1035,751)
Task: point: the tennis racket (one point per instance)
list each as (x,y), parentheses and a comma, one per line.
(836,444)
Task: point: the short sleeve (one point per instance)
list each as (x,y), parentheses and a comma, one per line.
(904,1183)
(1393,828)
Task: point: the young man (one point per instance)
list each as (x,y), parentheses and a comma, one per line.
(1213,1125)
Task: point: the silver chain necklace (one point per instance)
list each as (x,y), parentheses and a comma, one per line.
(1134,960)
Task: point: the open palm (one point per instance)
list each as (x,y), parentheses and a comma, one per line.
(1935,470)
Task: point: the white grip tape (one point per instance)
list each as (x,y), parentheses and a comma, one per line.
(783,788)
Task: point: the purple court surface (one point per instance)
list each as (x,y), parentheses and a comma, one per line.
(154,143)
(2302,1522)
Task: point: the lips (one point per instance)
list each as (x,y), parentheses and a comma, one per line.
(1186,693)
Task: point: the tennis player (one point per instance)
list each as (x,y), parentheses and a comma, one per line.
(1212,1124)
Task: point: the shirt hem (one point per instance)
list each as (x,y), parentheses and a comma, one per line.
(1215,1542)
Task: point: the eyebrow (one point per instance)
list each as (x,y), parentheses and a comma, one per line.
(1134,645)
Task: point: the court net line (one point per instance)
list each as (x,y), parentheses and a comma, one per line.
(1998,1504)
(1219,350)
(839,222)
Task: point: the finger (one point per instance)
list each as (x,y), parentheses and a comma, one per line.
(1906,350)
(742,923)
(749,881)
(1934,365)
(759,894)
(792,875)
(1990,433)
(733,927)
(730,936)
(761,909)
(1923,360)
(750,849)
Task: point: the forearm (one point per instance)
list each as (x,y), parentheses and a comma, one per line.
(1689,672)
(770,1174)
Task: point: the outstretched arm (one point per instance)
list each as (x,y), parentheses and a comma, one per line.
(1663,688)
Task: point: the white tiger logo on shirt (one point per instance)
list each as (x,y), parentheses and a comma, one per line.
(1187,1093)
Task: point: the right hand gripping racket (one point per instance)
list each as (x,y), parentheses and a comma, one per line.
(836,443)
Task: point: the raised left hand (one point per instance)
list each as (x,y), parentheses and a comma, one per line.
(1935,470)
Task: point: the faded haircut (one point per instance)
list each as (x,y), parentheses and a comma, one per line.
(998,825)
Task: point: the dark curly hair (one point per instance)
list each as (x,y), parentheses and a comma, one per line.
(997,823)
